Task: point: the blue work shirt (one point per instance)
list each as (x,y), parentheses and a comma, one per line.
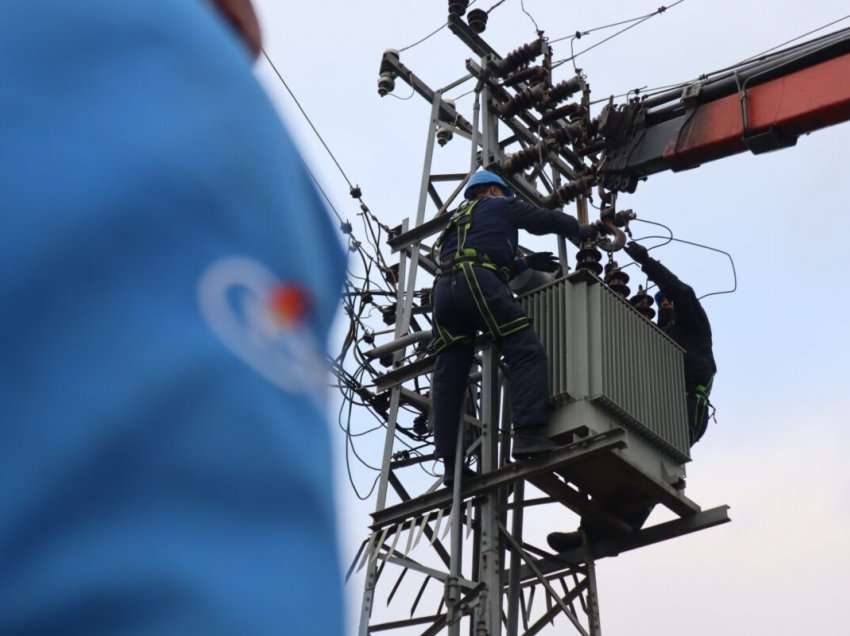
(496,222)
(168,276)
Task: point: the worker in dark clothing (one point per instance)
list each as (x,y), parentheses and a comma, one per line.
(477,253)
(680,316)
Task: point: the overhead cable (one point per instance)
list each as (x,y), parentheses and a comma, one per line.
(799,37)
(632,23)
(638,19)
(530,17)
(649,92)
(428,36)
(668,239)
(307,117)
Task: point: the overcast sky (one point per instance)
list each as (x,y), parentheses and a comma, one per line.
(777,454)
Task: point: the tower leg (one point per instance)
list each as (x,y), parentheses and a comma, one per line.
(593,622)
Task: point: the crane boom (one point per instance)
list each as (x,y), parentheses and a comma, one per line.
(759,107)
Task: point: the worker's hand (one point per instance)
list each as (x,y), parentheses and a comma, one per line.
(242,17)
(637,251)
(543,262)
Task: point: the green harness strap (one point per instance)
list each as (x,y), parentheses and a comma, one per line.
(464,260)
(461,221)
(701,392)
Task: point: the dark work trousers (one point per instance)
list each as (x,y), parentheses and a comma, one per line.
(458,318)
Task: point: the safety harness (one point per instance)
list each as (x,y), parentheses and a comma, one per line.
(703,404)
(461,221)
(464,260)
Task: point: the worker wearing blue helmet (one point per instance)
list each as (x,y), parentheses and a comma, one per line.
(477,252)
(682,317)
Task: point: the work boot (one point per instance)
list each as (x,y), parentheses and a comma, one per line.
(527,445)
(564,541)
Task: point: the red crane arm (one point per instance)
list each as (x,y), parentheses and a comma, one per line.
(764,105)
(792,105)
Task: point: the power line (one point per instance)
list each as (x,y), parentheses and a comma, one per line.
(667,87)
(668,239)
(428,36)
(799,37)
(530,17)
(307,117)
(424,39)
(638,19)
(632,23)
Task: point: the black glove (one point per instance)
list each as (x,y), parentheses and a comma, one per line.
(543,262)
(637,252)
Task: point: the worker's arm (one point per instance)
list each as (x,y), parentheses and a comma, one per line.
(689,311)
(541,221)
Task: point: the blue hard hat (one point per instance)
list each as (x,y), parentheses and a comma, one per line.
(484,177)
(659,296)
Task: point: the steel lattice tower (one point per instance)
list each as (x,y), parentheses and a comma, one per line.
(552,153)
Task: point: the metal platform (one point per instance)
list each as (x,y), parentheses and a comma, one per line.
(576,476)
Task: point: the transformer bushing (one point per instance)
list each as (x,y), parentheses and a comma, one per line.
(588,258)
(617,279)
(643,303)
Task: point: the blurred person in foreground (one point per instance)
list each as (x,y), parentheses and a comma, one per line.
(169,276)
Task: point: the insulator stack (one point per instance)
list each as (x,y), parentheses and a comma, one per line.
(444,135)
(518,58)
(568,134)
(477,19)
(563,90)
(530,74)
(588,258)
(643,303)
(458,7)
(522,160)
(617,279)
(525,98)
(569,111)
(568,192)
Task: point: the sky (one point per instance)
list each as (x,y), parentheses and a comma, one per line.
(776,454)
